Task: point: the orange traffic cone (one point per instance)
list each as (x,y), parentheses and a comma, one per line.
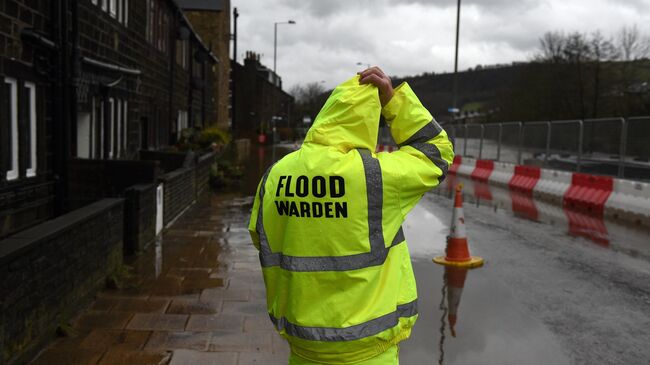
(457,249)
(455,277)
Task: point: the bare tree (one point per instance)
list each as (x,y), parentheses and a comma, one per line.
(552,47)
(632,45)
(602,51)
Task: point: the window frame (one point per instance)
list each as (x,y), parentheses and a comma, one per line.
(33,125)
(13,170)
(112,8)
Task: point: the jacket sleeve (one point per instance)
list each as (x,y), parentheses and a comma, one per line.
(252,223)
(425,151)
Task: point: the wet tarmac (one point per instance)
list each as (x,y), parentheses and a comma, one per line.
(548,294)
(467,316)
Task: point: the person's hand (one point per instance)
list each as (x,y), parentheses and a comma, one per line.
(377,77)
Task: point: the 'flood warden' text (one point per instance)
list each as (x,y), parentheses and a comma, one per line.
(317,187)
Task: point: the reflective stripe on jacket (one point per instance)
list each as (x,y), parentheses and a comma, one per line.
(327,222)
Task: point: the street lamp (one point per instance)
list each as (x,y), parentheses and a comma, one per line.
(454,106)
(275,43)
(362,64)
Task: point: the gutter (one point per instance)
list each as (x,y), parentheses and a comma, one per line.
(110,66)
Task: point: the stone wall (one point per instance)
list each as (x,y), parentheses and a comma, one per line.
(202,172)
(179,191)
(139,218)
(49,272)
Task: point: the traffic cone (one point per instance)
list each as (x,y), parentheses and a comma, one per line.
(457,251)
(455,277)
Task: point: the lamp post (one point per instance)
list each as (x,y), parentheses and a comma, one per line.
(275,43)
(455,106)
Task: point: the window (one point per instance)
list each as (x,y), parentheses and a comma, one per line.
(11,90)
(181,122)
(158,23)
(112,4)
(111,128)
(181,52)
(125,126)
(118,9)
(118,125)
(30,104)
(151,21)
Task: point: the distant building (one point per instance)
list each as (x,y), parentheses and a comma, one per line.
(92,79)
(211,20)
(260,101)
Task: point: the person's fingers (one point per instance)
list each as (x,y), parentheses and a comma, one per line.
(372,79)
(373,70)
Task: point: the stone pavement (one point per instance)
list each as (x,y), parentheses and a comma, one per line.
(195,297)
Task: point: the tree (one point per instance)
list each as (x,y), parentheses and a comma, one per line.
(552,47)
(602,50)
(632,45)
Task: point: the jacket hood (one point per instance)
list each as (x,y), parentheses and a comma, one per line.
(349,119)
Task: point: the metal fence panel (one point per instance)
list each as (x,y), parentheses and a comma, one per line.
(534,142)
(510,142)
(637,160)
(564,146)
(473,140)
(602,145)
(490,150)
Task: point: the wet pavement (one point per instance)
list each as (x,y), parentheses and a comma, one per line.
(557,288)
(195,297)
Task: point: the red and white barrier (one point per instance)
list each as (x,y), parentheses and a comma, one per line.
(588,193)
(483,170)
(453,169)
(552,185)
(386,148)
(630,200)
(502,173)
(525,179)
(467,167)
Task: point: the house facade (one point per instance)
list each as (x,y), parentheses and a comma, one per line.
(91,79)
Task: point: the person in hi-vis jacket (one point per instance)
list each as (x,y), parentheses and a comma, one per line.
(327,223)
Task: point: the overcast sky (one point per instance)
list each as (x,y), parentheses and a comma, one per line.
(407,37)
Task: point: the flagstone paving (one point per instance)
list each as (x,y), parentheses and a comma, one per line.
(195,297)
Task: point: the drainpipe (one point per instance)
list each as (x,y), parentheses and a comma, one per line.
(61,106)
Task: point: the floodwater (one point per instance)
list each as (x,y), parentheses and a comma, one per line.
(467,316)
(488,326)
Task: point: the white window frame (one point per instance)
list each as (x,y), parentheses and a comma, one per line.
(105,5)
(12,173)
(31,172)
(93,129)
(101,128)
(120,10)
(94,2)
(111,123)
(125,127)
(126,12)
(118,123)
(112,9)
(181,122)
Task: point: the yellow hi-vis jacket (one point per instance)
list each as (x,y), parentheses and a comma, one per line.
(327,222)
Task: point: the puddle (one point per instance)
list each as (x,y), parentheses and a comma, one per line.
(631,241)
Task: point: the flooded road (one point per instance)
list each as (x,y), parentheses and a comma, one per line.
(467,316)
(557,288)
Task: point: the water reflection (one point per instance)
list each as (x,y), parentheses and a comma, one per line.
(158,261)
(594,228)
(452,290)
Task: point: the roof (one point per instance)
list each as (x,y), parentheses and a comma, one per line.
(176,4)
(207,5)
